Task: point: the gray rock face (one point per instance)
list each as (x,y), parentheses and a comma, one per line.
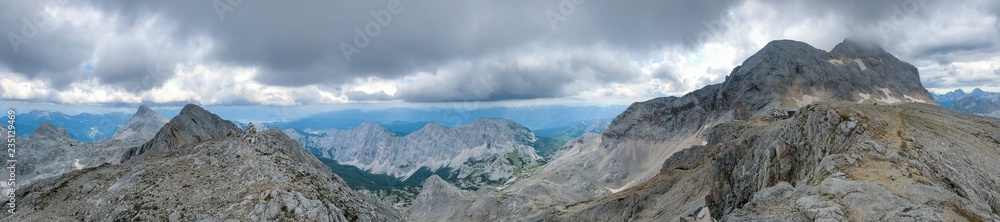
(193,124)
(477,150)
(242,176)
(142,127)
(902,162)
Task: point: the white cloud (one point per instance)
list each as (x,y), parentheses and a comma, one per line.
(13,86)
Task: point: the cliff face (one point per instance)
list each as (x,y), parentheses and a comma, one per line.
(212,173)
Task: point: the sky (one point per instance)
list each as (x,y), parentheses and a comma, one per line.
(399,53)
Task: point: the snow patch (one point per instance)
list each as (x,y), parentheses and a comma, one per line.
(836,62)
(627,185)
(860,63)
(841,62)
(912,99)
(76,163)
(888,98)
(806,100)
(864,96)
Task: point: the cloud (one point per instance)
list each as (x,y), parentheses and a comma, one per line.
(290,53)
(363,96)
(529,74)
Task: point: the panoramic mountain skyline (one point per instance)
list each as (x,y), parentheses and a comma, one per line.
(489,110)
(96,56)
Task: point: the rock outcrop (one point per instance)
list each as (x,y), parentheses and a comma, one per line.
(203,176)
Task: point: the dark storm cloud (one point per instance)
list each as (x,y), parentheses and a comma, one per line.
(541,76)
(299,43)
(36,47)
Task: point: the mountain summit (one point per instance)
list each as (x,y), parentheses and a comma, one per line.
(193,124)
(48,132)
(142,126)
(783,75)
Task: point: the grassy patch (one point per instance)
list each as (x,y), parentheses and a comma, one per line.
(548,146)
(514,158)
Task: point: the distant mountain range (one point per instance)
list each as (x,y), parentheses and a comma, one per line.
(405,120)
(977,102)
(83,127)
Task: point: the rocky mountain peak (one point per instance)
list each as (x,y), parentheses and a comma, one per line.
(142,126)
(263,176)
(193,124)
(432,126)
(856,48)
(977,92)
(48,132)
(959,92)
(44,129)
(783,75)
(144,110)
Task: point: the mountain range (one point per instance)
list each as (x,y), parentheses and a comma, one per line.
(977,102)
(794,133)
(488,150)
(406,120)
(197,166)
(83,127)
(867,142)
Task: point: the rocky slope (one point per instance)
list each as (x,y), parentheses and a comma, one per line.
(50,151)
(484,151)
(783,75)
(200,168)
(141,127)
(834,162)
